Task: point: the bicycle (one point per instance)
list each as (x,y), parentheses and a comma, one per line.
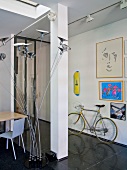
(104,128)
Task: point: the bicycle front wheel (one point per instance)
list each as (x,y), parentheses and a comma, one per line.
(106,130)
(76,123)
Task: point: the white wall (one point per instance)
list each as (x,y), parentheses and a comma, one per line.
(6,78)
(82,57)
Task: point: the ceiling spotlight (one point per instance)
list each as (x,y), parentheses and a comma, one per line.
(2,56)
(89,18)
(65,47)
(25,46)
(3,40)
(42,32)
(24,53)
(31,55)
(61,40)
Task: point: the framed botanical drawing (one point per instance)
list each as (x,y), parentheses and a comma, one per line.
(111,90)
(109,58)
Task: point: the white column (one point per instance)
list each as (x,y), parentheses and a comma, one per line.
(59,85)
(7,85)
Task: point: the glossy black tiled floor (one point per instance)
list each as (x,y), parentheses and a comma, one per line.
(85,153)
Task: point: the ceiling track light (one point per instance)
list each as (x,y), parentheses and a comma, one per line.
(117,3)
(123,4)
(89,18)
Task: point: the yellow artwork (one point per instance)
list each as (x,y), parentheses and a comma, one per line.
(77,83)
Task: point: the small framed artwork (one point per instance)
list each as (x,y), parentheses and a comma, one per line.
(111,90)
(118,111)
(109,58)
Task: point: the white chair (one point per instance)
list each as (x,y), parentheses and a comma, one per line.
(18,129)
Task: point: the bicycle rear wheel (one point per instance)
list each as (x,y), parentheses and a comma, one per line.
(76,123)
(106,130)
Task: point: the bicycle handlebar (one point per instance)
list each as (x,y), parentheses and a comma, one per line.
(79,106)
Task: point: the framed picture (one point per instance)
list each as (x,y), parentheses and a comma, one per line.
(118,111)
(125,66)
(109,58)
(125,91)
(125,47)
(111,90)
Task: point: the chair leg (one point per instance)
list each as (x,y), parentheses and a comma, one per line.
(19,140)
(23,143)
(7,144)
(13,149)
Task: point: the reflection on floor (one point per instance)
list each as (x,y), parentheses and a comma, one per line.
(85,153)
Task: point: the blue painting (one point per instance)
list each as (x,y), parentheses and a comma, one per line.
(112,90)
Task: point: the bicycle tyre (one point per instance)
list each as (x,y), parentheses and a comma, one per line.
(106,130)
(76,123)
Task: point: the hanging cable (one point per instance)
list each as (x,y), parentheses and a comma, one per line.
(25,29)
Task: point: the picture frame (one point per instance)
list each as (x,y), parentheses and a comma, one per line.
(125,47)
(111,90)
(125,91)
(109,58)
(125,66)
(118,111)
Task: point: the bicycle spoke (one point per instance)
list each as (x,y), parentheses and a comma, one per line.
(105,130)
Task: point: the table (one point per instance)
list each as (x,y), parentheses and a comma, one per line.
(8,117)
(4,116)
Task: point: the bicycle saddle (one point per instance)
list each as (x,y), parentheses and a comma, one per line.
(99,105)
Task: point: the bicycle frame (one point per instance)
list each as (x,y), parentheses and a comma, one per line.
(91,127)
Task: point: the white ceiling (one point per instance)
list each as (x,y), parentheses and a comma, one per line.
(14,23)
(24,9)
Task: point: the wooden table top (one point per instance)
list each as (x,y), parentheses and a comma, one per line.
(4,116)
